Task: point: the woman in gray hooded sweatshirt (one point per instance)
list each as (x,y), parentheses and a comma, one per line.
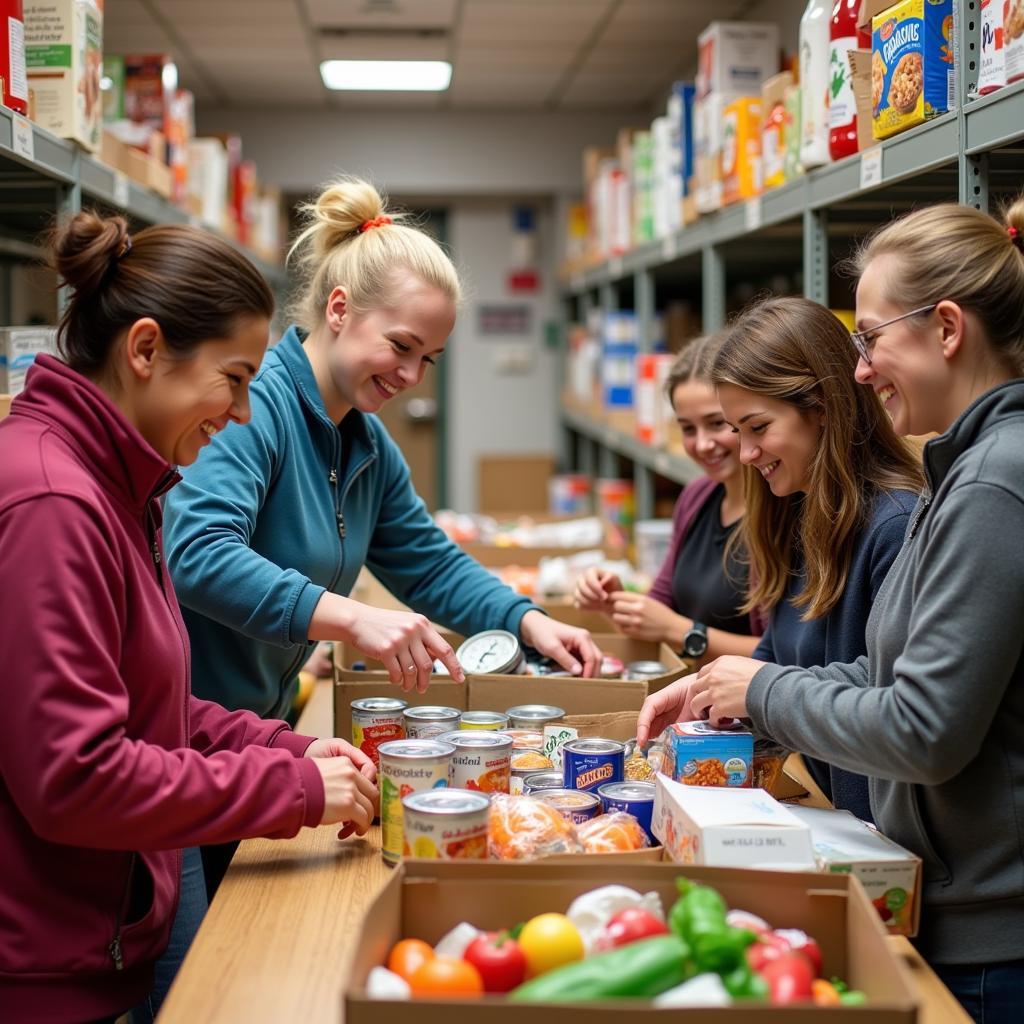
(934,714)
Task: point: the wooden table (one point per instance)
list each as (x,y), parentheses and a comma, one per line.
(275,945)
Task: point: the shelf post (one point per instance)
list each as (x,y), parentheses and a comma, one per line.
(643,305)
(643,491)
(816,255)
(972,169)
(69,202)
(713,288)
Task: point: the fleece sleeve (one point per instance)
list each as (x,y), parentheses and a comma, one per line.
(209,521)
(66,755)
(417,562)
(928,721)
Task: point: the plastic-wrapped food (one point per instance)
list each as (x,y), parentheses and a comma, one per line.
(769,758)
(617,832)
(521,828)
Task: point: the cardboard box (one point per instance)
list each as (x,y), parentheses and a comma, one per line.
(426,899)
(741,150)
(773,129)
(912,75)
(19,347)
(698,754)
(149,82)
(891,876)
(736,56)
(5,405)
(64,61)
(508,484)
(860,76)
(729,828)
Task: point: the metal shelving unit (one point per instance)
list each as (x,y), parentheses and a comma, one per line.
(972,153)
(41,175)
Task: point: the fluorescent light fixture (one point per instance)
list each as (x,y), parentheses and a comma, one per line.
(387,75)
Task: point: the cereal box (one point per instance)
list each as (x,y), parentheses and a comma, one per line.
(698,754)
(992,66)
(729,828)
(1013,39)
(741,150)
(891,876)
(912,76)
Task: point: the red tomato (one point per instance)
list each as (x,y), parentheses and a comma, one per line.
(446,976)
(768,947)
(631,925)
(407,955)
(802,943)
(499,959)
(789,979)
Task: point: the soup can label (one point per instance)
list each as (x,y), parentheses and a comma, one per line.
(445,824)
(577,806)
(377,720)
(636,798)
(494,721)
(587,764)
(424,723)
(407,766)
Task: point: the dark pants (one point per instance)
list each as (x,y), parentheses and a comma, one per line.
(990,993)
(215,864)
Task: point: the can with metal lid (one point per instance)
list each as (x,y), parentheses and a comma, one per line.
(481,760)
(587,764)
(645,670)
(526,762)
(573,804)
(534,716)
(407,766)
(636,798)
(427,721)
(445,824)
(493,720)
(377,720)
(542,780)
(611,667)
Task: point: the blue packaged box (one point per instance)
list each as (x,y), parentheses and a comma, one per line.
(912,73)
(698,754)
(618,359)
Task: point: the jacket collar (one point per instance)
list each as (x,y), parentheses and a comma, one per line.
(294,359)
(985,413)
(90,420)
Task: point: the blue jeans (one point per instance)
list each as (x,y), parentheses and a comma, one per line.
(990,993)
(191,910)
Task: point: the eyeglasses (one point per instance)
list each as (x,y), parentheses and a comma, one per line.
(860,338)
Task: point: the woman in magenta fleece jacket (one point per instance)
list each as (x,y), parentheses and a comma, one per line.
(109,767)
(693,604)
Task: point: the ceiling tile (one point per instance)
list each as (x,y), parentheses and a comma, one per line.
(369,47)
(474,58)
(508,88)
(386,100)
(382,13)
(592,89)
(528,21)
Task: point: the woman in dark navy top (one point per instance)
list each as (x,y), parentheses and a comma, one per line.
(829,492)
(694,605)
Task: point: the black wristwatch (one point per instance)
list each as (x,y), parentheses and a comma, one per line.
(695,643)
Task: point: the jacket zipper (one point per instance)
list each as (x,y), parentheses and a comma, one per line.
(338,514)
(114,946)
(926,502)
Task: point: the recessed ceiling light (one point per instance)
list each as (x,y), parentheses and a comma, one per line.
(387,75)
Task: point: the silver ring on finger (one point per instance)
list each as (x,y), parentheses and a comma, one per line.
(411,668)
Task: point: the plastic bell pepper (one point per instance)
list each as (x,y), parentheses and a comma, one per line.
(698,917)
(640,970)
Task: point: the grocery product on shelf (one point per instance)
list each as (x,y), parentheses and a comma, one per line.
(773,129)
(844,36)
(814,83)
(12,57)
(992,65)
(1013,39)
(741,150)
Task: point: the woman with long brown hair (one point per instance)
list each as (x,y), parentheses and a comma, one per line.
(829,490)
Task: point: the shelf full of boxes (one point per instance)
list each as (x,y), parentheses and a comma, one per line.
(713,202)
(81,128)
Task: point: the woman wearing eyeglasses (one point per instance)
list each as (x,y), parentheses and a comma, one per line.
(935,711)
(829,490)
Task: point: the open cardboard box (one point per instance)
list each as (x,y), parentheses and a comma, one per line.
(500,692)
(425,899)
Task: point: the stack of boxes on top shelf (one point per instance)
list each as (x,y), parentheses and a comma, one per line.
(130,111)
(756,119)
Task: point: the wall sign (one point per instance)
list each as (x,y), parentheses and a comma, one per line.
(504,319)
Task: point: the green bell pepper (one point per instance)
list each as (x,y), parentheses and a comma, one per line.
(744,983)
(640,970)
(698,917)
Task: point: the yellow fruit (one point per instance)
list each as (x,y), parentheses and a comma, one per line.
(549,941)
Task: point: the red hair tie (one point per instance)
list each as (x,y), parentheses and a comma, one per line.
(375,222)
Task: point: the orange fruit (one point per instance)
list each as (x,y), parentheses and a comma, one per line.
(446,976)
(406,956)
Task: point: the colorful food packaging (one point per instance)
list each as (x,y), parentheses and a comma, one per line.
(521,828)
(698,754)
(445,824)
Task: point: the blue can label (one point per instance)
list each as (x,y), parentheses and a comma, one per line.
(636,798)
(589,768)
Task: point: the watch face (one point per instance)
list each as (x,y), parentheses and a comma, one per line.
(493,651)
(695,643)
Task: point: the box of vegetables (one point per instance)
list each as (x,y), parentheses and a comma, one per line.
(495,941)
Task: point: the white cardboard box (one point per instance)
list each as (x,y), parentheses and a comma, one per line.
(891,875)
(19,347)
(736,56)
(729,827)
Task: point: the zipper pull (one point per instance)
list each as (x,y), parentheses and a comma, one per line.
(341,524)
(334,476)
(155,549)
(115,952)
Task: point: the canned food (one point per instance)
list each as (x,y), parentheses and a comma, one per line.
(611,667)
(525,738)
(407,766)
(645,670)
(578,807)
(534,716)
(493,720)
(542,780)
(587,764)
(445,824)
(377,720)
(526,762)
(481,760)
(636,798)
(423,723)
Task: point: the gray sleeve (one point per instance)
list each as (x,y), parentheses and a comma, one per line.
(928,722)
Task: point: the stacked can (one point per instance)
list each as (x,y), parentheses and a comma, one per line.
(636,798)
(407,766)
(587,764)
(377,720)
(480,761)
(423,723)
(494,721)
(445,824)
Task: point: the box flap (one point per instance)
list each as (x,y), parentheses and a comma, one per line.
(843,837)
(712,807)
